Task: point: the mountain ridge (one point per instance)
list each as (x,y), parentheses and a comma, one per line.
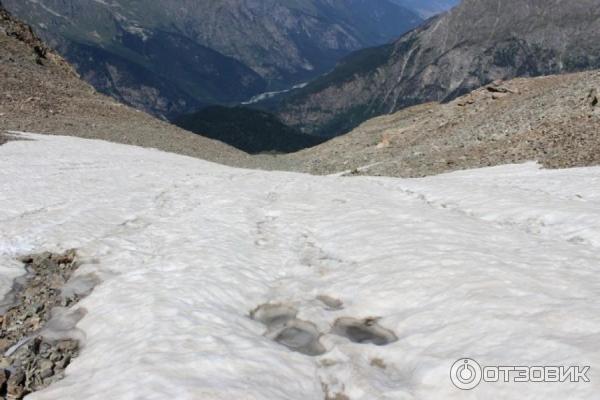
(475,43)
(214,51)
(428,9)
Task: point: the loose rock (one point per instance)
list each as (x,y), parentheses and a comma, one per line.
(29,361)
(364,331)
(593,98)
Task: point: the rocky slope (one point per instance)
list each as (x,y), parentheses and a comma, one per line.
(40,92)
(33,355)
(474,44)
(554,120)
(171,57)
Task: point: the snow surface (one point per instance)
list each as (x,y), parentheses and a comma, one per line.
(499,264)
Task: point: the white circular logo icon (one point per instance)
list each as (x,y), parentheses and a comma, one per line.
(466,374)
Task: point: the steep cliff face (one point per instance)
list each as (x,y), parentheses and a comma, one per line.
(476,43)
(172,56)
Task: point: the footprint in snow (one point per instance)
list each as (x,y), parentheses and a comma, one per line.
(274,315)
(284,328)
(363,331)
(301,336)
(331,303)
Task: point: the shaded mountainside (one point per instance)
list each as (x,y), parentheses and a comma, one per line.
(552,119)
(158,71)
(42,93)
(474,44)
(165,74)
(171,57)
(252,131)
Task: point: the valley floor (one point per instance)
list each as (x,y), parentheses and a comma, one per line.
(499,264)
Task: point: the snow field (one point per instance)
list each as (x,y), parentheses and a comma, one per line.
(499,264)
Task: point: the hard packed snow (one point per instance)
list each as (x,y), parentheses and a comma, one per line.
(500,265)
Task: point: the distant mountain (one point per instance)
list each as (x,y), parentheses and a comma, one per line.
(476,43)
(252,131)
(164,73)
(173,56)
(427,8)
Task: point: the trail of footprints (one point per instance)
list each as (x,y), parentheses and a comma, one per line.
(301,336)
